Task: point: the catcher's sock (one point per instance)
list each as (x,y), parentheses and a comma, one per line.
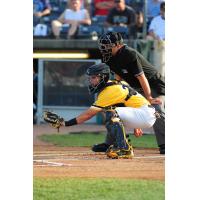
(100,147)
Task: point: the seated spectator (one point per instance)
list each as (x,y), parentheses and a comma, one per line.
(157,25)
(121,15)
(102,7)
(41,8)
(137,29)
(85,4)
(74,16)
(153,8)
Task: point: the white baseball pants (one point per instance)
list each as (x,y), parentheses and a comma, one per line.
(142,117)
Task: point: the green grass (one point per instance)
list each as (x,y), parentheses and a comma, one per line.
(88,139)
(97,189)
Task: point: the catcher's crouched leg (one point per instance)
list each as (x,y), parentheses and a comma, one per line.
(121,148)
(103,147)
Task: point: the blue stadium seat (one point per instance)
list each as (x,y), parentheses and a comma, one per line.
(64,30)
(99,19)
(89,31)
(120,29)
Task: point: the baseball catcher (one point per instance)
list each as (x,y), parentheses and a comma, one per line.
(123,106)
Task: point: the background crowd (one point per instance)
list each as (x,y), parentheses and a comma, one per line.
(138,19)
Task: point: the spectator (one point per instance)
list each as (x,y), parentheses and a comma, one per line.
(157,25)
(102,7)
(41,8)
(121,15)
(86,4)
(137,29)
(153,8)
(73,16)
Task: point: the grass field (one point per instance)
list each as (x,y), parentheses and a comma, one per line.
(97,189)
(88,139)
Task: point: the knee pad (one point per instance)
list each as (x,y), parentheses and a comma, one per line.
(116,129)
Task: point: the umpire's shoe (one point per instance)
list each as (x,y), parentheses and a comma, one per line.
(162,149)
(116,153)
(100,147)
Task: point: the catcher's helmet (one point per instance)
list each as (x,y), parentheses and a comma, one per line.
(107,42)
(101,70)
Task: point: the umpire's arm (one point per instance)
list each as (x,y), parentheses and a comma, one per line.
(147,90)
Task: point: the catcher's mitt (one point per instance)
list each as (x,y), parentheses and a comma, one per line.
(53,119)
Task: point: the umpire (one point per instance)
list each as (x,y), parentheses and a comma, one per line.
(130,65)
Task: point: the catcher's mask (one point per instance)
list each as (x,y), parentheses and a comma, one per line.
(107,42)
(102,73)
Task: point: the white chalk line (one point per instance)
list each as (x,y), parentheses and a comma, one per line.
(90,153)
(51,163)
(149,157)
(83,158)
(67,154)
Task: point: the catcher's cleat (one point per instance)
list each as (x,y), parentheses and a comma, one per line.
(116,153)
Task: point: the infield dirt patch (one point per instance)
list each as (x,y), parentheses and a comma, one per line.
(51,161)
(54,161)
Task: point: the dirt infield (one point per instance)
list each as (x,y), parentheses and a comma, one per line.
(53,161)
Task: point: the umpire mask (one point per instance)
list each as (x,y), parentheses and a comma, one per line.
(101,72)
(107,42)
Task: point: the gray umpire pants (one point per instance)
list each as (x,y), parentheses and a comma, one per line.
(159,125)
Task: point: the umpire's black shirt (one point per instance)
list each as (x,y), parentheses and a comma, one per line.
(129,63)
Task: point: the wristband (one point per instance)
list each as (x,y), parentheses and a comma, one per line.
(71,122)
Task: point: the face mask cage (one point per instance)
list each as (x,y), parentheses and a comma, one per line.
(96,88)
(105,47)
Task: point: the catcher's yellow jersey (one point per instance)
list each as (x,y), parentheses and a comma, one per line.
(116,94)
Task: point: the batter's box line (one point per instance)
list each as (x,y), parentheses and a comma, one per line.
(105,158)
(68,154)
(148,157)
(93,154)
(52,163)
